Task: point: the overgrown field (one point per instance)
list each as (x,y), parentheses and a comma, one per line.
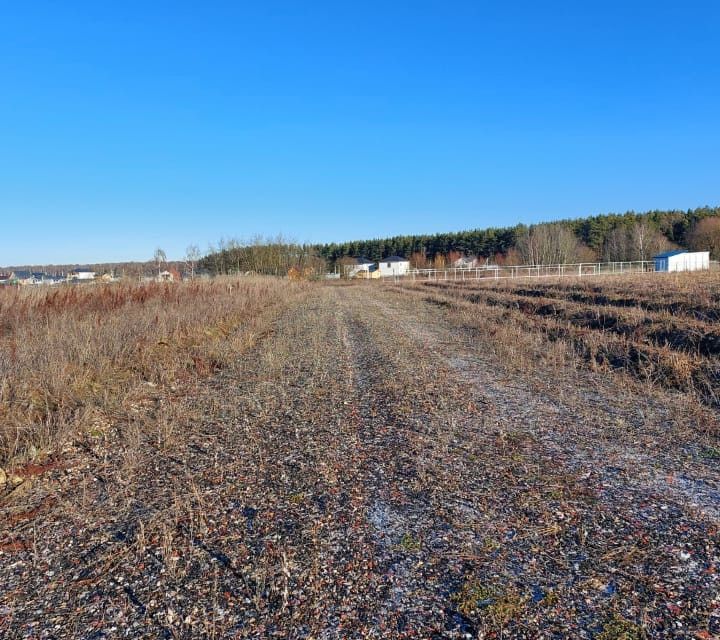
(662,329)
(75,359)
(260,459)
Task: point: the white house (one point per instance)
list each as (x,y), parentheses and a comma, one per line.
(393,266)
(26,277)
(682,260)
(359,268)
(82,274)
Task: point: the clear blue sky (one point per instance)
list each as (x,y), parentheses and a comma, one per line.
(128,125)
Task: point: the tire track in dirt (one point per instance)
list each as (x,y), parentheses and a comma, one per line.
(588,446)
(403,521)
(598,459)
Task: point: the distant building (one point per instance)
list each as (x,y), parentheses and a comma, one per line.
(23,277)
(82,274)
(53,279)
(393,266)
(26,277)
(466,262)
(169,275)
(359,268)
(682,260)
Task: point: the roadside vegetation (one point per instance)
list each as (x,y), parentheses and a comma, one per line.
(78,359)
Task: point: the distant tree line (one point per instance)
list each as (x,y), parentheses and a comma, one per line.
(268,256)
(609,237)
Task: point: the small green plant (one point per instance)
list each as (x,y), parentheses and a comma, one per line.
(551,599)
(473,596)
(620,629)
(409,543)
(490,544)
(711,453)
(508,607)
(489,602)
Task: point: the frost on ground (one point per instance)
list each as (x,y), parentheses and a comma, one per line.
(373,468)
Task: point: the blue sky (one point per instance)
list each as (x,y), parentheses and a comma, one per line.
(126,126)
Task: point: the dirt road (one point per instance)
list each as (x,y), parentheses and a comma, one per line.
(370,469)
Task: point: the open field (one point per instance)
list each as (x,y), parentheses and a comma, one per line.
(78,358)
(661,328)
(523,460)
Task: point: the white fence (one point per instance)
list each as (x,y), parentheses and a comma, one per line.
(496,272)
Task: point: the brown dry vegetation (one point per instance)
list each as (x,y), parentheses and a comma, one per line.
(75,359)
(662,329)
(357,460)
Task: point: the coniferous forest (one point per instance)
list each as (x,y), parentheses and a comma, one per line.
(595,232)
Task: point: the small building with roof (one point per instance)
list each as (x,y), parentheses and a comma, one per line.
(465,262)
(24,277)
(359,267)
(82,274)
(393,266)
(682,260)
(53,279)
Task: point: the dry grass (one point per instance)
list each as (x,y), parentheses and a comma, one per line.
(78,359)
(660,329)
(368,468)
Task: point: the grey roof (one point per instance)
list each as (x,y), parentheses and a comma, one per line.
(363,260)
(394,259)
(670,254)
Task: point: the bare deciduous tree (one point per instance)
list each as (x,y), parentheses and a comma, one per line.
(439,261)
(646,240)
(705,236)
(549,244)
(269,256)
(160,258)
(639,241)
(419,260)
(192,256)
(617,245)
